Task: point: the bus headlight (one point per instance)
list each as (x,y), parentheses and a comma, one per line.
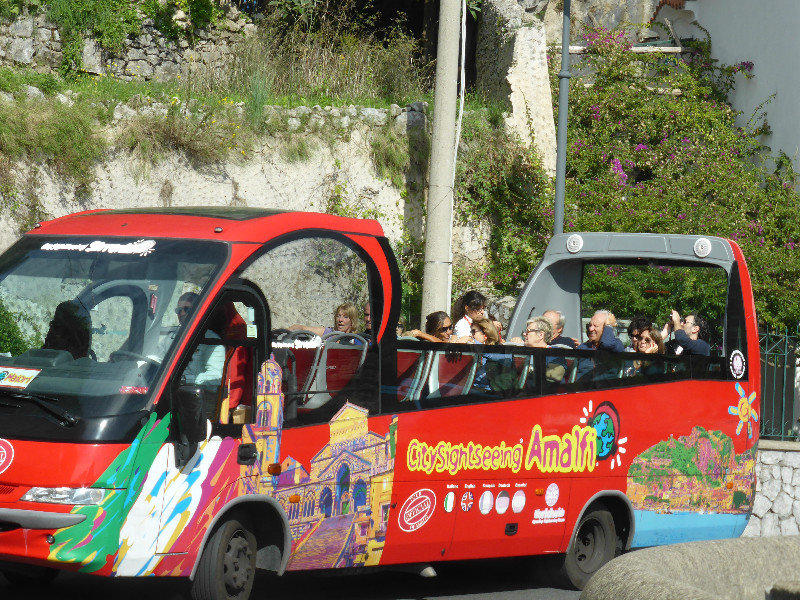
(65,495)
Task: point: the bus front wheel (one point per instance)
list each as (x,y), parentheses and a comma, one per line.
(227,567)
(594,545)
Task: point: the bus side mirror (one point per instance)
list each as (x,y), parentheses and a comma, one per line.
(190,426)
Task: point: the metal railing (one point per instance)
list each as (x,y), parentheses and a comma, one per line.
(779,409)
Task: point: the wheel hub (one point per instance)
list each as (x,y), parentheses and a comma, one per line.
(236,565)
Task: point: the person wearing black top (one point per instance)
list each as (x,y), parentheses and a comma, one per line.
(557,321)
(689,333)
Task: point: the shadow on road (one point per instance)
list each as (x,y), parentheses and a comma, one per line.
(492,580)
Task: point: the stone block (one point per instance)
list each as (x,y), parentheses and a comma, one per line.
(32,92)
(64,99)
(796,510)
(374,116)
(21,50)
(753,528)
(796,478)
(44,34)
(343,122)
(6,97)
(770,457)
(789,527)
(771,488)
(786,474)
(293,124)
(22,28)
(140,68)
(770,525)
(92,57)
(395,110)
(761,506)
(409,121)
(782,506)
(418,106)
(791,459)
(775,472)
(788,488)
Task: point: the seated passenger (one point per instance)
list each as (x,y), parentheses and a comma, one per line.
(635,327)
(557,322)
(483,332)
(70,329)
(438,328)
(649,342)
(690,332)
(470,306)
(600,336)
(345,320)
(498,327)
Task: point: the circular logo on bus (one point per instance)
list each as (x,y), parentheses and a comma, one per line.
(416,510)
(6,455)
(486,502)
(449,501)
(551,495)
(737,364)
(466,501)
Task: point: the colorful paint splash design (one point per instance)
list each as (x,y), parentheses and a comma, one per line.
(745,411)
(94,542)
(699,472)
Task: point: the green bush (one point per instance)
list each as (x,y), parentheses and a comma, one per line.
(12,339)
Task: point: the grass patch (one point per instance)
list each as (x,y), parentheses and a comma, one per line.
(296,149)
(204,139)
(390,155)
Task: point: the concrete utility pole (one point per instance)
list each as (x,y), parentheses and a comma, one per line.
(437,277)
(563,110)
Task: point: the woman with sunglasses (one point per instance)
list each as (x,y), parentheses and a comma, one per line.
(438,328)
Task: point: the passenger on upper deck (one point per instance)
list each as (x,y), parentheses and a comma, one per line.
(635,328)
(498,327)
(600,334)
(689,333)
(438,328)
(483,332)
(649,342)
(468,307)
(345,320)
(556,318)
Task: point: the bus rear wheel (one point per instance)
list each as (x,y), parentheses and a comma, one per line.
(227,567)
(594,545)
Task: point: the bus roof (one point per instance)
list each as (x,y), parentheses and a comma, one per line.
(229,224)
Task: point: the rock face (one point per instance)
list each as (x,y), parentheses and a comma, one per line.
(512,68)
(597,13)
(776,509)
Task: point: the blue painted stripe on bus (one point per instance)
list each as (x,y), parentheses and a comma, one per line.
(658,529)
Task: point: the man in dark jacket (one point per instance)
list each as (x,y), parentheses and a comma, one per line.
(600,334)
(689,333)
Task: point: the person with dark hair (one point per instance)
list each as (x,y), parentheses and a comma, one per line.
(690,332)
(637,325)
(438,328)
(70,329)
(470,306)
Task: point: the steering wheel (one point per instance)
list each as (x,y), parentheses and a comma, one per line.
(278,334)
(134,355)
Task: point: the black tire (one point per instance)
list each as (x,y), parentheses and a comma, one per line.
(228,564)
(29,576)
(595,544)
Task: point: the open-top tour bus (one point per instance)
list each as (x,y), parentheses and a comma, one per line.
(175,401)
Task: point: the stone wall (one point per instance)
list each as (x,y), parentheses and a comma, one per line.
(776,508)
(35,42)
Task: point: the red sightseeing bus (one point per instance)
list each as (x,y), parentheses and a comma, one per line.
(195,393)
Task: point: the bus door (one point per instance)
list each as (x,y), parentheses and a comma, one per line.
(220,367)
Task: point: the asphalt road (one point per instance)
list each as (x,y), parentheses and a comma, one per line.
(484,580)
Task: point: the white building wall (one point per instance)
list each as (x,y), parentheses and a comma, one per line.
(766,33)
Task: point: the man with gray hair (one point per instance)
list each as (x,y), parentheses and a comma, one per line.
(600,336)
(556,319)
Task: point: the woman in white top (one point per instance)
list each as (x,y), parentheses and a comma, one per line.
(467,308)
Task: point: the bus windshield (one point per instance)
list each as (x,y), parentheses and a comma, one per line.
(85,323)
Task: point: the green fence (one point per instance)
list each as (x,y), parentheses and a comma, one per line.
(779,411)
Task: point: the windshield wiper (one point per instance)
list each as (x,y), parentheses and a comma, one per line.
(66,419)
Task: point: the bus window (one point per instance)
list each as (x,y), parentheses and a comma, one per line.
(318,295)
